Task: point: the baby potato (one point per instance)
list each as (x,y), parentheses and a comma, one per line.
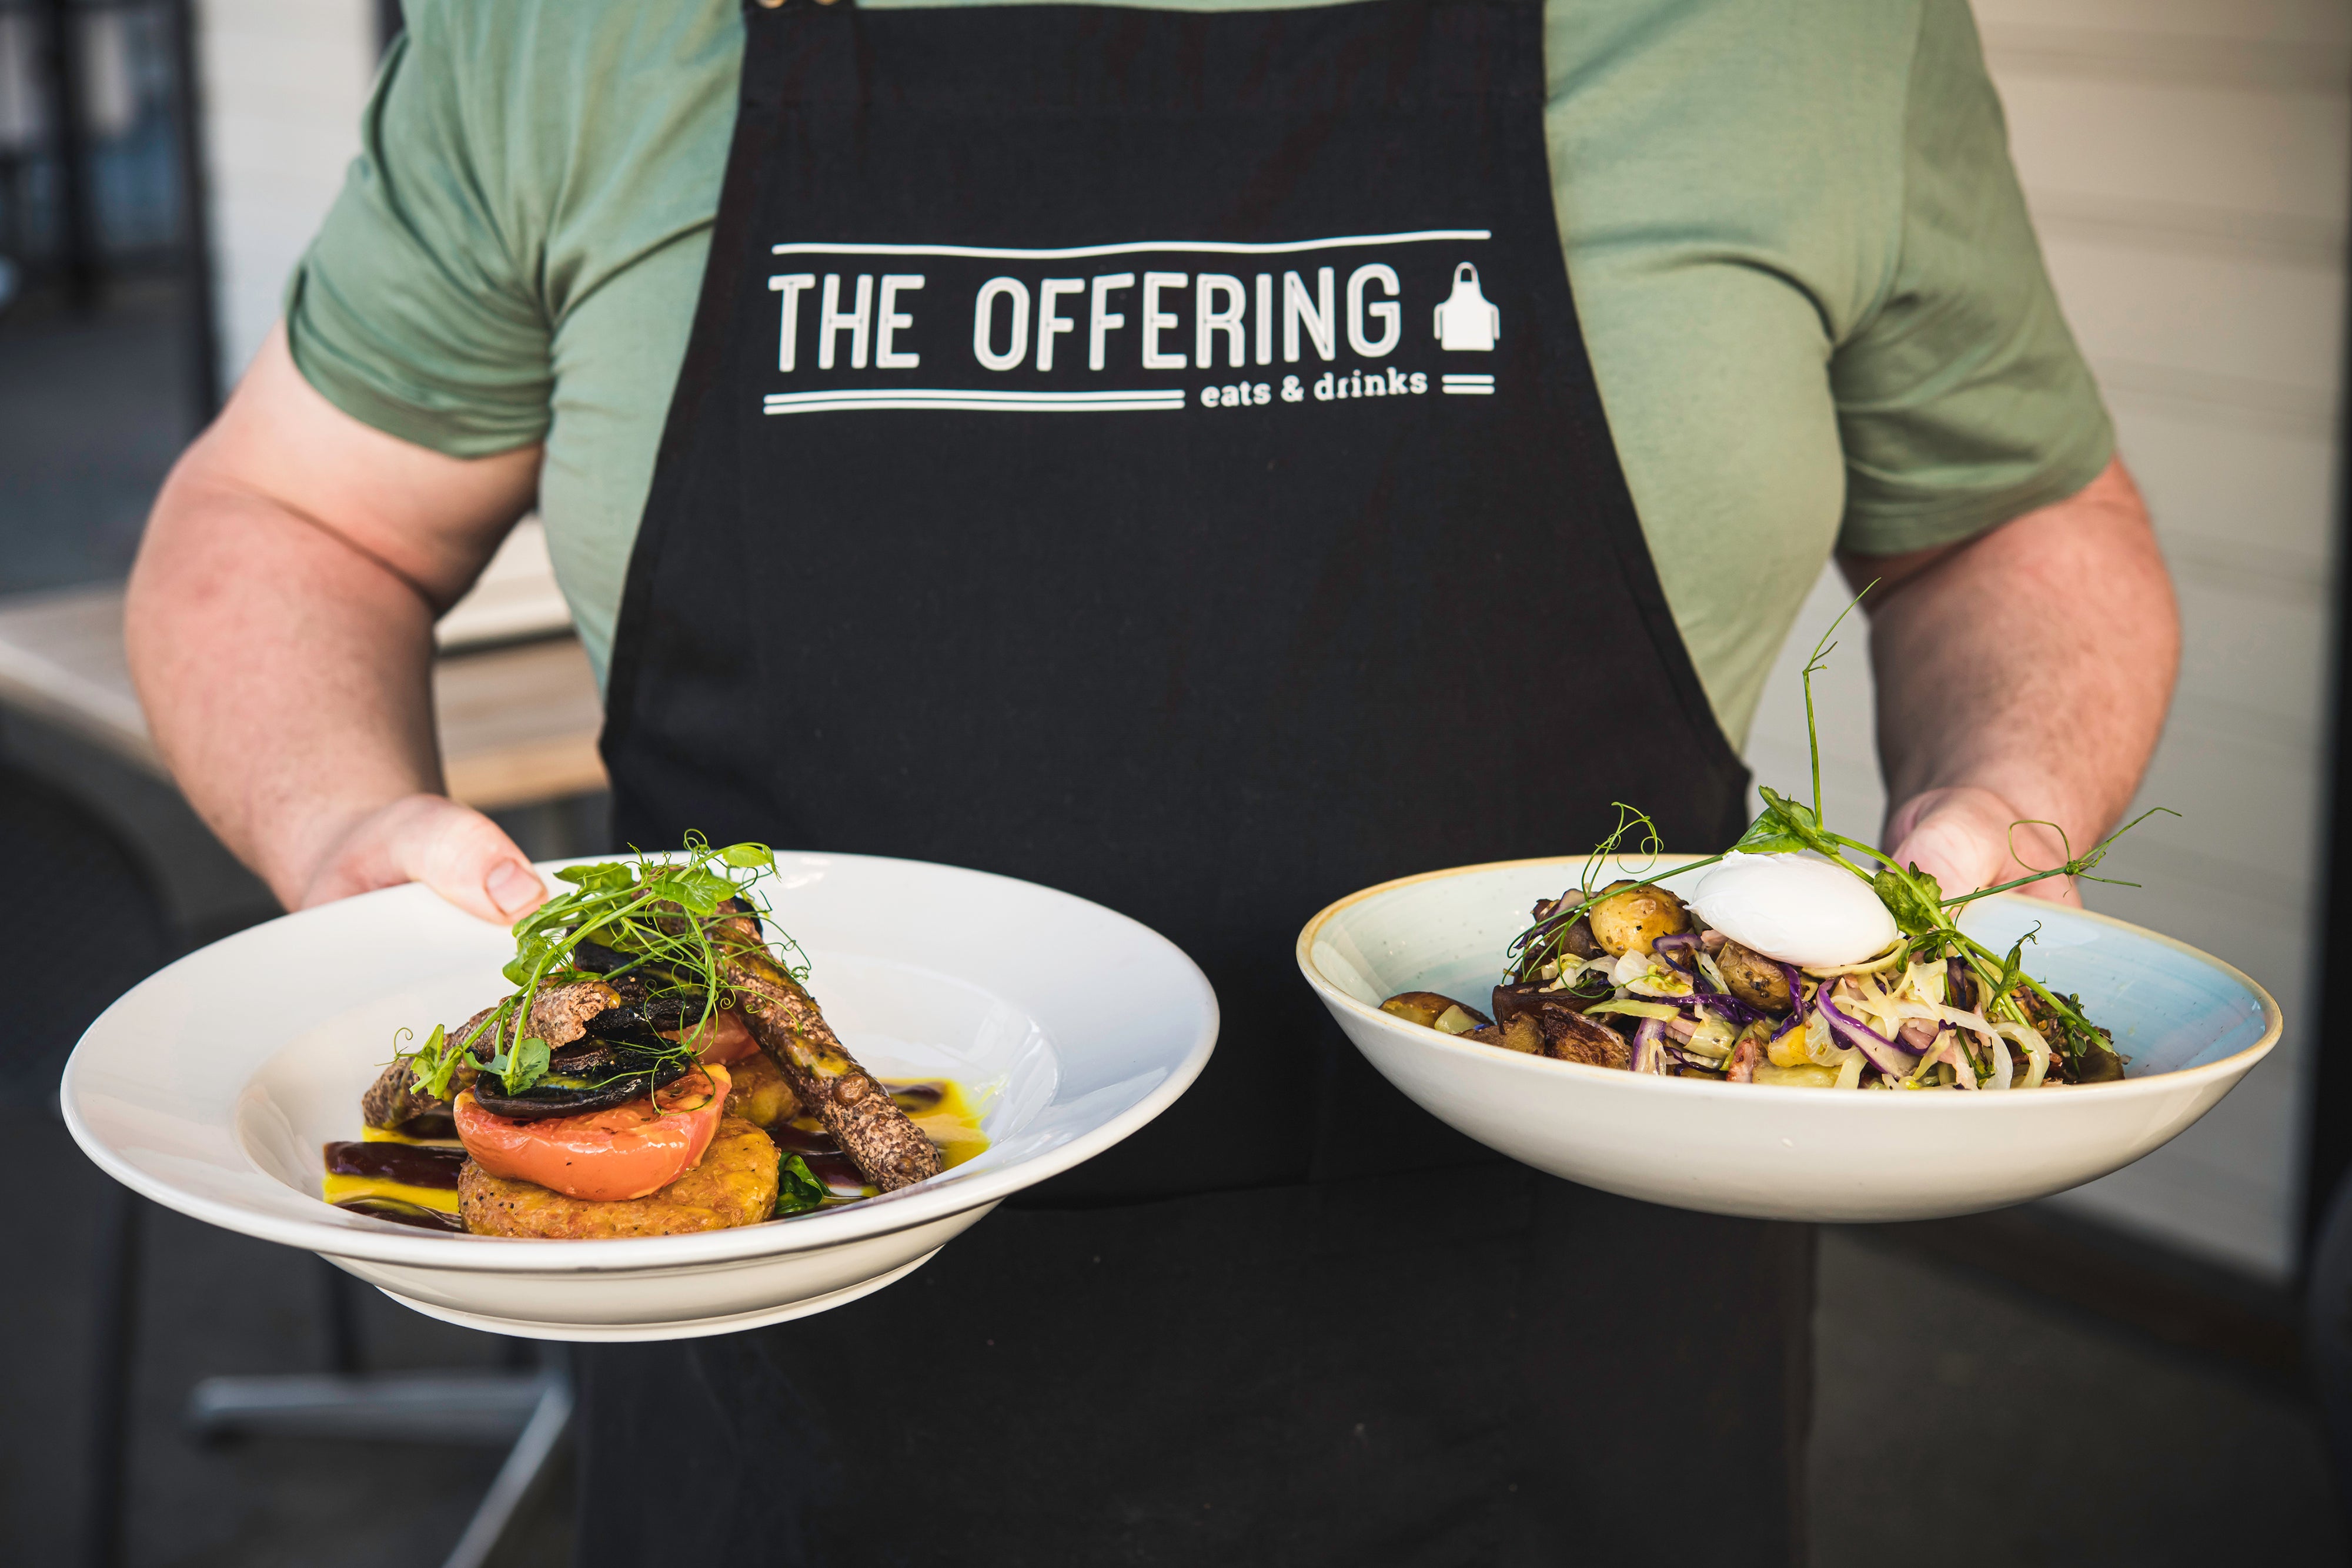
(1431,1010)
(1632,920)
(1753,978)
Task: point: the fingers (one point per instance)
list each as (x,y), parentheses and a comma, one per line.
(1969,839)
(454,850)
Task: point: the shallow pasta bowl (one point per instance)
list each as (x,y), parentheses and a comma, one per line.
(2189,1025)
(212,1086)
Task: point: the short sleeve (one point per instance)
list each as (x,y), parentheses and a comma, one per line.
(413,311)
(1962,399)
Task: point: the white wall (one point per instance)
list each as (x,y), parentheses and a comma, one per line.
(2189,163)
(283,83)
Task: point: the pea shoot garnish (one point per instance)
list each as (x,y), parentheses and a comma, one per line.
(650,919)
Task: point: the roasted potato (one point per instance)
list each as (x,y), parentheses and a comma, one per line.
(757,1093)
(1561,1029)
(1633,919)
(1432,1010)
(1753,978)
(1521,1034)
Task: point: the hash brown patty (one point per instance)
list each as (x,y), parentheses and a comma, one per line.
(734,1185)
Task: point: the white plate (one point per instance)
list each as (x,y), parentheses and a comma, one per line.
(211,1087)
(2190,1025)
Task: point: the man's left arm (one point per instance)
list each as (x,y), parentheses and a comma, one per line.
(2022,679)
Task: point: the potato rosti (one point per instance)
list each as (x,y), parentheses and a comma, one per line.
(734,1185)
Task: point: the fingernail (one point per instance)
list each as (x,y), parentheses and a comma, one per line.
(512,887)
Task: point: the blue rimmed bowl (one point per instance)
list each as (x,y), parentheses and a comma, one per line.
(2189,1025)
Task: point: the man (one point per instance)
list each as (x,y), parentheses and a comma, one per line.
(1161,455)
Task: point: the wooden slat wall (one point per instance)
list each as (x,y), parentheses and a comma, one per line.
(2189,163)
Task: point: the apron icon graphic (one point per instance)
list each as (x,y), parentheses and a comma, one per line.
(1467,320)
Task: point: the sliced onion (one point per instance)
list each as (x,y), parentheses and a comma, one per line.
(1867,966)
(2037,1051)
(1648,1053)
(1883,1053)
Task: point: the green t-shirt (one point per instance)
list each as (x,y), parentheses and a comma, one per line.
(1813,300)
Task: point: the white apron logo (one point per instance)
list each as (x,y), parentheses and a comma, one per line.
(1465,321)
(990,327)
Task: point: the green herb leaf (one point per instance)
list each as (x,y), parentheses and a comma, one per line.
(1911,899)
(526,1064)
(604,876)
(749,857)
(1769,834)
(699,891)
(432,1064)
(2013,968)
(797,1188)
(1797,821)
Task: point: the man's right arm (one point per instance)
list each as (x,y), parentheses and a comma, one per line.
(280,627)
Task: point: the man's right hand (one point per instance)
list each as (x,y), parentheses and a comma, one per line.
(454,850)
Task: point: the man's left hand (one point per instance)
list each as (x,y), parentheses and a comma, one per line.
(1969,838)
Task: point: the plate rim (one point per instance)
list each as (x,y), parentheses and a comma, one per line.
(2231,1067)
(888,1214)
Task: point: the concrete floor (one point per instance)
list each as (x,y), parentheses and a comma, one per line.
(1959,1420)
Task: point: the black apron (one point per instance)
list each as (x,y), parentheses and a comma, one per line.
(1154,454)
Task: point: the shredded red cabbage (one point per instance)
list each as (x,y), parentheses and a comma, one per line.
(1796,999)
(1886,1055)
(1733,1009)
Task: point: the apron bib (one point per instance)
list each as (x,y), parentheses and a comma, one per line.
(1154,454)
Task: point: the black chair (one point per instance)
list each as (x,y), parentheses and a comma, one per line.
(86,922)
(88,926)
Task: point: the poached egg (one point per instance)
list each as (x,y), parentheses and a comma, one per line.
(1796,909)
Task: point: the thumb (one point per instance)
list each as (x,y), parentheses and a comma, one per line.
(1962,837)
(452,849)
(468,859)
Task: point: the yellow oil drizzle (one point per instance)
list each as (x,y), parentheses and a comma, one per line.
(338,1189)
(387,1135)
(951,1124)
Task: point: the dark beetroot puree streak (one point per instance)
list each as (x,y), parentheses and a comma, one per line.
(408,1164)
(915,1099)
(399,1213)
(823,1156)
